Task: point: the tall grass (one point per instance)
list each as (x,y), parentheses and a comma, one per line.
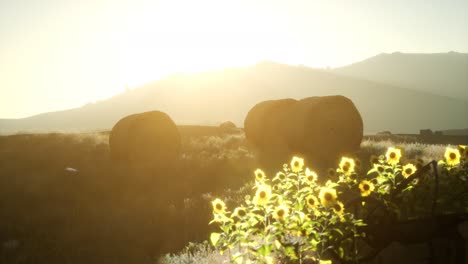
(100,212)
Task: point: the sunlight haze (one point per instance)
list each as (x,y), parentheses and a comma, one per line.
(57,55)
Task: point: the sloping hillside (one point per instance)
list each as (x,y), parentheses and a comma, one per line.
(443,74)
(212,97)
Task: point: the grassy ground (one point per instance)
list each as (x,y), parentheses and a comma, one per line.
(63,201)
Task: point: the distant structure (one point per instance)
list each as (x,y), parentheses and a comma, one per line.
(146,140)
(321,129)
(386,132)
(425,132)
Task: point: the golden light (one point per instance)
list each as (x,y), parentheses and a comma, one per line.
(196,36)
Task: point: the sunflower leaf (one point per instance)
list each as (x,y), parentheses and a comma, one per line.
(277,244)
(214,238)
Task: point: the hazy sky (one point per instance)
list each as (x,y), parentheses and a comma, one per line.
(59,54)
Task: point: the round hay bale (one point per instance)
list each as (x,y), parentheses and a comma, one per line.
(324,128)
(145,139)
(118,138)
(227,126)
(321,129)
(264,123)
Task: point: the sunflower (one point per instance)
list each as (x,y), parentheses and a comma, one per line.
(419,163)
(465,154)
(327,196)
(366,187)
(338,207)
(379,168)
(374,159)
(239,212)
(461,148)
(263,195)
(281,212)
(408,170)
(357,163)
(297,164)
(219,207)
(312,201)
(347,165)
(280,176)
(452,156)
(393,155)
(219,218)
(310,176)
(259,175)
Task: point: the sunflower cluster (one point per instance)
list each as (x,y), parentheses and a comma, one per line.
(291,208)
(291,213)
(454,179)
(387,172)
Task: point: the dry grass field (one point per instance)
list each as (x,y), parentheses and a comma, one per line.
(62,200)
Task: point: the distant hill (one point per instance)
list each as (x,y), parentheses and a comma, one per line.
(439,73)
(212,97)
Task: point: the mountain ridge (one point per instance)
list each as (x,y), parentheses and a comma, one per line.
(437,73)
(220,95)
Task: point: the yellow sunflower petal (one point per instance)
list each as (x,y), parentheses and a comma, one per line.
(297,164)
(393,155)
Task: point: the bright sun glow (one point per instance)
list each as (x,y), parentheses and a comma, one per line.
(197,39)
(59,55)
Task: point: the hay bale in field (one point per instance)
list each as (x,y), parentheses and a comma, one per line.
(264,124)
(319,128)
(145,139)
(227,126)
(263,128)
(118,137)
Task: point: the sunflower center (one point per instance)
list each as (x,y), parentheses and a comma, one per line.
(296,164)
(328,196)
(392,155)
(409,171)
(311,201)
(337,207)
(366,187)
(262,194)
(280,213)
(259,175)
(345,168)
(452,155)
(219,207)
(310,178)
